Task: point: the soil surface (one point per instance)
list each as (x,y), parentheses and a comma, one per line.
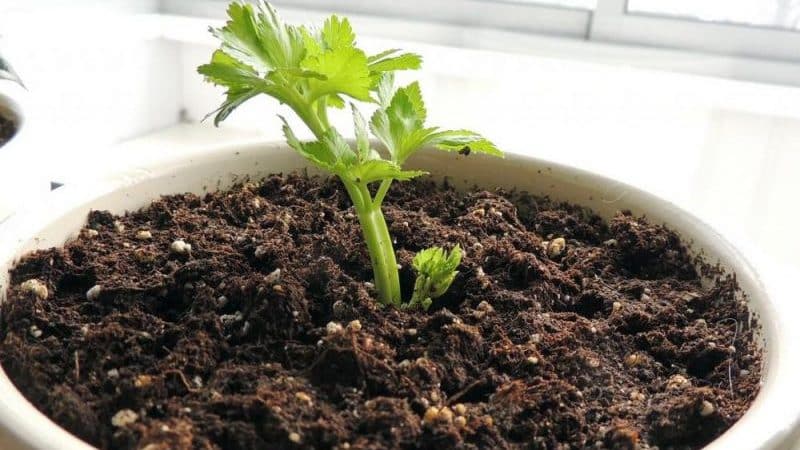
(608,341)
(7,130)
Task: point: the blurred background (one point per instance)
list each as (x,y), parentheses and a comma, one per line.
(697,101)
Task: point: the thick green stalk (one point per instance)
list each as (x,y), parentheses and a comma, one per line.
(370,216)
(311,120)
(379,245)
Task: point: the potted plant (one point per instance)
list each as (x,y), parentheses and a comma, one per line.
(10,115)
(10,100)
(250,310)
(8,126)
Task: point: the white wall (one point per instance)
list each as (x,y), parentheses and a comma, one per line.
(97,71)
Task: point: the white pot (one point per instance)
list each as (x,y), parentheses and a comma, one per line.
(768,424)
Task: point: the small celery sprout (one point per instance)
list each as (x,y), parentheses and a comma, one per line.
(436,270)
(311,70)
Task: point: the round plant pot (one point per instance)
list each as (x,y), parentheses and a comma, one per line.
(769,423)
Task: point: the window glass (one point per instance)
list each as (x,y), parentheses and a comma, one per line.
(769,13)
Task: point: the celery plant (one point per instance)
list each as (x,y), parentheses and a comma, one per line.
(312,70)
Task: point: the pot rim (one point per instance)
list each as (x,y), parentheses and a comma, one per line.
(770,423)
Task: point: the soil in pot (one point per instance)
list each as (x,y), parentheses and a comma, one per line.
(7,130)
(561,331)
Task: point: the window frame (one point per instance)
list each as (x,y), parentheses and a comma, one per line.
(607,34)
(505,14)
(518,16)
(612,22)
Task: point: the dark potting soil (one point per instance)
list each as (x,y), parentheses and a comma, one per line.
(7,130)
(608,342)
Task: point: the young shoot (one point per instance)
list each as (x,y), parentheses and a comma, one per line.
(436,270)
(312,70)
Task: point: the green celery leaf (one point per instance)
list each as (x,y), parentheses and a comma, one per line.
(240,37)
(331,52)
(340,149)
(457,140)
(260,38)
(225,70)
(337,33)
(312,41)
(436,263)
(334,154)
(346,72)
(406,61)
(385,89)
(335,101)
(384,64)
(300,73)
(314,151)
(414,95)
(436,270)
(400,126)
(381,127)
(362,135)
(233,99)
(382,55)
(378,170)
(414,141)
(259,54)
(242,81)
